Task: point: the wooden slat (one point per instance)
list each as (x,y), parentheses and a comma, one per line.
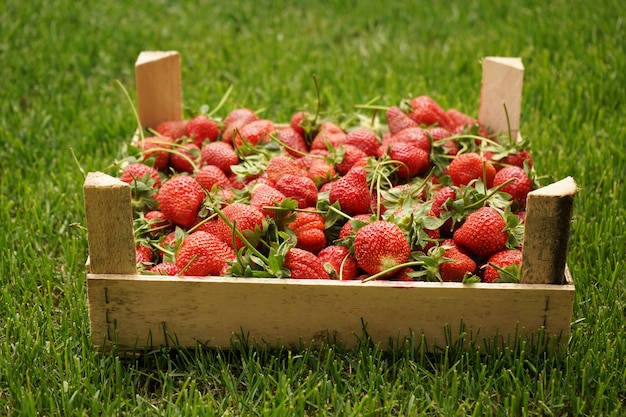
(547,231)
(145,311)
(503,79)
(109,216)
(159,90)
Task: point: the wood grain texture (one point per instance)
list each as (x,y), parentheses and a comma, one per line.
(109,216)
(547,231)
(145,311)
(159,89)
(502,83)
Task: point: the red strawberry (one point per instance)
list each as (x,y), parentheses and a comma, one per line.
(203,254)
(165,268)
(348,227)
(156,149)
(246,219)
(403,275)
(143,254)
(201,128)
(206,225)
(503,266)
(343,263)
(426,111)
(185,158)
(520,186)
(351,154)
(412,160)
(329,134)
(352,192)
(483,233)
(440,134)
(380,245)
(235,120)
(220,154)
(299,188)
(180,199)
(364,139)
(255,132)
(293,142)
(438,208)
(459,119)
(518,158)
(158,224)
(263,195)
(304,265)
(320,170)
(398,120)
(210,175)
(470,166)
(174,129)
(296,122)
(282,165)
(309,227)
(138,172)
(459,263)
(415,135)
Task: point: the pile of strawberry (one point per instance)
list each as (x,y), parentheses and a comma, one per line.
(428,195)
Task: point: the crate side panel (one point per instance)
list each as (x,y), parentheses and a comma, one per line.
(146,312)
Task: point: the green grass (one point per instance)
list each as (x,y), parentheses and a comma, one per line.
(60,60)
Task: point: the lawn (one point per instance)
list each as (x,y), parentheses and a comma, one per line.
(62,111)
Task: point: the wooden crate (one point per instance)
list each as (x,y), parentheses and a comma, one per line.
(141,311)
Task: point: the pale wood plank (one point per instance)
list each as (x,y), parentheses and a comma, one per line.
(212,310)
(547,231)
(109,217)
(159,90)
(502,83)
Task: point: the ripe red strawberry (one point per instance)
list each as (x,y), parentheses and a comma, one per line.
(438,208)
(412,160)
(440,136)
(210,175)
(351,154)
(293,142)
(518,158)
(180,199)
(415,135)
(185,158)
(201,129)
(398,120)
(158,224)
(299,188)
(282,165)
(364,139)
(255,132)
(138,172)
(458,119)
(343,264)
(220,154)
(503,266)
(330,134)
(483,233)
(296,122)
(204,254)
(348,227)
(352,192)
(459,265)
(174,129)
(320,170)
(165,268)
(157,150)
(469,166)
(426,111)
(246,219)
(263,195)
(520,186)
(143,254)
(235,120)
(402,275)
(304,265)
(380,245)
(309,227)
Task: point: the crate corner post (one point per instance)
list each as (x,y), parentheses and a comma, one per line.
(501,88)
(159,87)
